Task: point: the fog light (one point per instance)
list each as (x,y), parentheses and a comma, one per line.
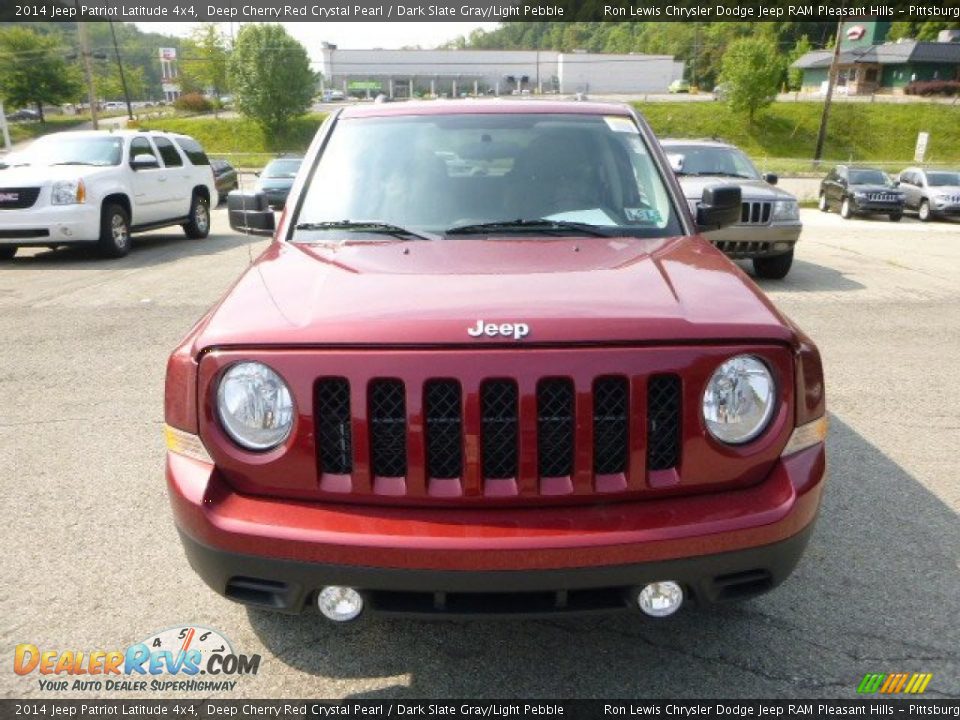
(781,247)
(338,603)
(660,599)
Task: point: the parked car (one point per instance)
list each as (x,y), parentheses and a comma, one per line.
(860,191)
(535,389)
(333,96)
(931,193)
(678,87)
(23,115)
(721,91)
(769,224)
(225,177)
(98,187)
(276,179)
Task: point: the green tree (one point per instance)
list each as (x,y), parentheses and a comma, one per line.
(205,60)
(753,68)
(34,70)
(270,75)
(795,75)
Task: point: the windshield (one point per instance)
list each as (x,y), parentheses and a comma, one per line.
(72,150)
(462,173)
(282,169)
(869,177)
(939,179)
(710,160)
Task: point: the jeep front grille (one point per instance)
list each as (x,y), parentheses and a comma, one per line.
(600,424)
(755,213)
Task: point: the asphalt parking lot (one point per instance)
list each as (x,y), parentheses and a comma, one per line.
(92,560)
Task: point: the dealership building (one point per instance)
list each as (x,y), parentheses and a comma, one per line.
(451,73)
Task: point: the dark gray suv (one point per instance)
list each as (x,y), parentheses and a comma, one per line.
(769,225)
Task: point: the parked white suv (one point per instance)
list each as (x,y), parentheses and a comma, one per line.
(98,187)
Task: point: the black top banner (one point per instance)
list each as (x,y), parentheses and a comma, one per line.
(493,709)
(471,10)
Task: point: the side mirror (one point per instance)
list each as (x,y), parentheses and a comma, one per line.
(719,207)
(771,178)
(250,213)
(144,162)
(676,161)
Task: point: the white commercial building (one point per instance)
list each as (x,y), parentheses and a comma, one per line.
(406,73)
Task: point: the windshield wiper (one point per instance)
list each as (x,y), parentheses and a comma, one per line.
(75,162)
(521,225)
(717,173)
(369,226)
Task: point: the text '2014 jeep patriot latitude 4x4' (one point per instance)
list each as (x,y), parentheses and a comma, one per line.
(488,365)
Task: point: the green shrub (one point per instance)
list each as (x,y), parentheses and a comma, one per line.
(193,102)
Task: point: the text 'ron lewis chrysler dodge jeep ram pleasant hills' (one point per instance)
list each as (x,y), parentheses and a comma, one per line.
(488,365)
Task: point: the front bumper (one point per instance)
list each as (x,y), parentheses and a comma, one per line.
(749,241)
(277,553)
(50,225)
(874,206)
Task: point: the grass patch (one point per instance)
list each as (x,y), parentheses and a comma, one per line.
(241,141)
(857,132)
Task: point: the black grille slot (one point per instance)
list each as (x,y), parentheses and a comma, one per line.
(334,436)
(388,428)
(498,400)
(663,422)
(555,410)
(444,429)
(18,198)
(610,422)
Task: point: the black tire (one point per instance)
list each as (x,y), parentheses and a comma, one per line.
(845,211)
(896,217)
(773,268)
(7,252)
(114,231)
(924,212)
(822,203)
(198,226)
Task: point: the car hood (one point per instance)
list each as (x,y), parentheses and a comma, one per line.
(693,187)
(944,190)
(875,188)
(274,183)
(590,290)
(40,175)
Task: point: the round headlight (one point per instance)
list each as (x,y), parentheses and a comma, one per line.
(255,406)
(739,400)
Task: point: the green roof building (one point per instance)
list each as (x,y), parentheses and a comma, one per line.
(868,65)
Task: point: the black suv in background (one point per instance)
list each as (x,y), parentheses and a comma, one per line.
(860,191)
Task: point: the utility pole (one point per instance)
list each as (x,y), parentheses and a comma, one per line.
(123,78)
(6,131)
(831,81)
(87,68)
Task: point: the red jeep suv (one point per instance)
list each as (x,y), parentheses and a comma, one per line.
(487,365)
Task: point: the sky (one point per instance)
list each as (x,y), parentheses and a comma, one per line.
(354,35)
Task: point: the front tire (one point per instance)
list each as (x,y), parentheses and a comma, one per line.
(924,212)
(198,227)
(114,231)
(773,268)
(7,252)
(846,212)
(822,203)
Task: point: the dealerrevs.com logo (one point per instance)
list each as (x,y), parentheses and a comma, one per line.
(187,658)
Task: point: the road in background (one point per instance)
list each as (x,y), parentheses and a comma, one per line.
(92,560)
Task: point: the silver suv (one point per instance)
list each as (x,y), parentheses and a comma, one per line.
(932,193)
(769,224)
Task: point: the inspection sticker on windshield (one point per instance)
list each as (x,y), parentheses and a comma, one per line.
(642,215)
(618,123)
